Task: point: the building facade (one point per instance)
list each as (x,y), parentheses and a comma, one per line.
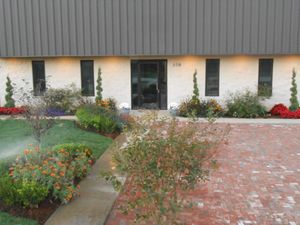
(148,50)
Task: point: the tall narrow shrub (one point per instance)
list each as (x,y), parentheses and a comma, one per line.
(10,102)
(294,100)
(195,97)
(99,86)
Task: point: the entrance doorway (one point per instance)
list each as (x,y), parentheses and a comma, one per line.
(149,84)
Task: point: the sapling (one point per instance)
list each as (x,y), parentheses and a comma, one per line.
(10,102)
(294,99)
(99,86)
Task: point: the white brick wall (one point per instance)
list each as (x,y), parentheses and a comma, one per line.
(236,73)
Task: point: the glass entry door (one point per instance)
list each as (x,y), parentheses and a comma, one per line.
(149,84)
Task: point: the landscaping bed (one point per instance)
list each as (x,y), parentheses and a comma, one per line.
(62,132)
(40,215)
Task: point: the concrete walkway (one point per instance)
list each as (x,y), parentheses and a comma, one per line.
(96,197)
(165,113)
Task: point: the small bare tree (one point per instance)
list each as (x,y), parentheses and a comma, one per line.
(36,113)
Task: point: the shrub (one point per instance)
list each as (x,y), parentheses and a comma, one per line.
(10,102)
(283,112)
(294,99)
(11,111)
(99,119)
(245,105)
(64,100)
(99,86)
(163,160)
(56,170)
(108,103)
(200,108)
(195,97)
(24,193)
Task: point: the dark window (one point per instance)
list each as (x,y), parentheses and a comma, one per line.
(39,80)
(212,77)
(87,78)
(265,77)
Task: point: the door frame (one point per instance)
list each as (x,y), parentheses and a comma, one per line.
(159,83)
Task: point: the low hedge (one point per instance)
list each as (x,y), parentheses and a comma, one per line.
(99,119)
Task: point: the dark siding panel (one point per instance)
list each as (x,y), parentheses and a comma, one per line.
(72,28)
(87,27)
(169,27)
(270,27)
(254,26)
(207,26)
(116,27)
(148,27)
(279,25)
(22,24)
(65,27)
(215,26)
(154,26)
(124,33)
(101,29)
(8,25)
(239,24)
(131,27)
(294,25)
(287,9)
(176,27)
(161,27)
(223,26)
(58,27)
(30,31)
(2,28)
(246,27)
(139,27)
(231,26)
(262,26)
(192,27)
(184,27)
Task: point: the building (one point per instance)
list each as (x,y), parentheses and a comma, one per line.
(148,50)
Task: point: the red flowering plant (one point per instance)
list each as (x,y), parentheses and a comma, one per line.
(283,112)
(55,170)
(11,110)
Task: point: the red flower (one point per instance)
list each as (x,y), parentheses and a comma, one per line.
(283,112)
(11,111)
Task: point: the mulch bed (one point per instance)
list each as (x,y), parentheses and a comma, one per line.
(41,214)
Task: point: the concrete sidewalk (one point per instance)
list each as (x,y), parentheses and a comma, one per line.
(96,197)
(165,113)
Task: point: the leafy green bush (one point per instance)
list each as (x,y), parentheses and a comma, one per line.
(56,170)
(98,118)
(10,102)
(64,99)
(75,149)
(164,159)
(24,193)
(245,104)
(201,108)
(108,103)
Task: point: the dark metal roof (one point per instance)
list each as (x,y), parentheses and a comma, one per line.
(148,27)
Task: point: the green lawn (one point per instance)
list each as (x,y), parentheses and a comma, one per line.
(15,136)
(6,219)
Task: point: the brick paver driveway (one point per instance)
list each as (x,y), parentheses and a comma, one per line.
(258,181)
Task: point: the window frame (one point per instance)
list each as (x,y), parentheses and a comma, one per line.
(34,78)
(88,94)
(259,77)
(207,94)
